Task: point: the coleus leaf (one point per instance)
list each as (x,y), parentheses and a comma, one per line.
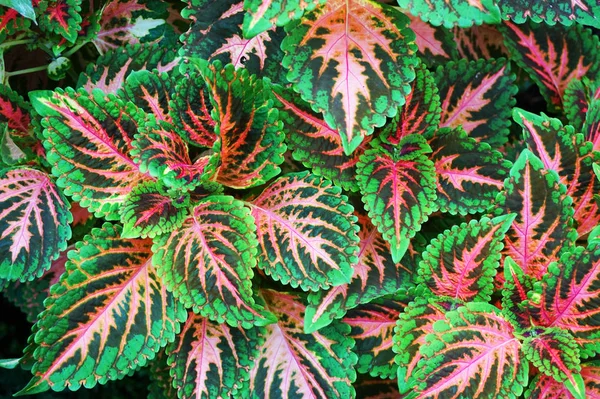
(543,228)
(577,99)
(477,95)
(150,91)
(23,7)
(14,111)
(469,174)
(563,150)
(263,15)
(88,138)
(435,44)
(292,363)
(515,294)
(314,143)
(591,126)
(462,13)
(34,223)
(398,189)
(148,210)
(483,41)
(161,382)
(564,12)
(351,60)
(473,353)
(207,262)
(553,55)
(306,232)
(11,21)
(461,263)
(210,360)
(108,315)
(568,297)
(546,387)
(61,17)
(249,136)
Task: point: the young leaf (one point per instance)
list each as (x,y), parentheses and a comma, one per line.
(149,91)
(435,44)
(543,228)
(551,11)
(461,263)
(210,360)
(351,60)
(207,262)
(449,13)
(478,96)
(292,363)
(398,189)
(88,139)
(515,294)
(263,15)
(306,232)
(108,315)
(61,17)
(34,223)
(469,174)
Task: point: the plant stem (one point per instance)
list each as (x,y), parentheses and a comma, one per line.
(74,49)
(16,43)
(24,71)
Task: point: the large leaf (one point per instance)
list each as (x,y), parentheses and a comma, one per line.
(108,315)
(478,96)
(435,44)
(546,387)
(88,138)
(449,13)
(553,55)
(306,232)
(263,15)
(461,263)
(551,11)
(469,174)
(398,189)
(292,363)
(150,91)
(351,60)
(543,225)
(207,262)
(34,223)
(211,360)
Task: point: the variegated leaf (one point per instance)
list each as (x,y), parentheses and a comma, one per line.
(478,96)
(469,174)
(11,21)
(352,60)
(461,263)
(211,360)
(150,91)
(590,371)
(398,189)
(306,232)
(375,275)
(577,98)
(207,262)
(462,13)
(292,363)
(161,382)
(551,11)
(543,228)
(546,387)
(591,126)
(435,43)
(14,111)
(61,17)
(314,143)
(553,55)
(108,315)
(483,41)
(34,223)
(263,15)
(88,138)
(515,293)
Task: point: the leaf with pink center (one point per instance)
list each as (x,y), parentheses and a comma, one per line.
(462,13)
(14,111)
(483,41)
(306,232)
(150,91)
(263,15)
(34,223)
(292,363)
(351,60)
(108,315)
(515,295)
(478,96)
(546,387)
(435,43)
(62,17)
(577,99)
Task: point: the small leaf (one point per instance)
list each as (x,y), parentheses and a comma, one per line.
(263,15)
(149,91)
(449,13)
(61,17)
(515,294)
(551,11)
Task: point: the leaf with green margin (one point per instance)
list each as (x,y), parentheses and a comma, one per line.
(150,91)
(462,13)
(294,364)
(477,95)
(479,41)
(461,263)
(373,329)
(515,295)
(555,353)
(314,143)
(148,211)
(542,230)
(306,232)
(161,382)
(398,188)
(435,43)
(12,22)
(108,315)
(576,99)
(553,55)
(34,223)
(469,174)
(207,262)
(473,353)
(543,386)
(566,152)
(249,132)
(351,60)
(376,388)
(421,112)
(584,12)
(591,127)
(62,17)
(569,297)
(109,72)
(211,360)
(14,110)
(263,15)
(88,139)
(23,7)
(375,275)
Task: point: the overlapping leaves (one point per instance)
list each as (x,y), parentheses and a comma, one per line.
(449,13)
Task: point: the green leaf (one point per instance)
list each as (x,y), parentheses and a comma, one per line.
(515,294)
(62,17)
(263,15)
(462,13)
(565,12)
(150,91)
(23,7)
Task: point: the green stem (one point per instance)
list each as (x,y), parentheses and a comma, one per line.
(24,71)
(16,43)
(74,49)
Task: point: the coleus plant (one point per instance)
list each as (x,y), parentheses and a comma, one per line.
(304,199)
